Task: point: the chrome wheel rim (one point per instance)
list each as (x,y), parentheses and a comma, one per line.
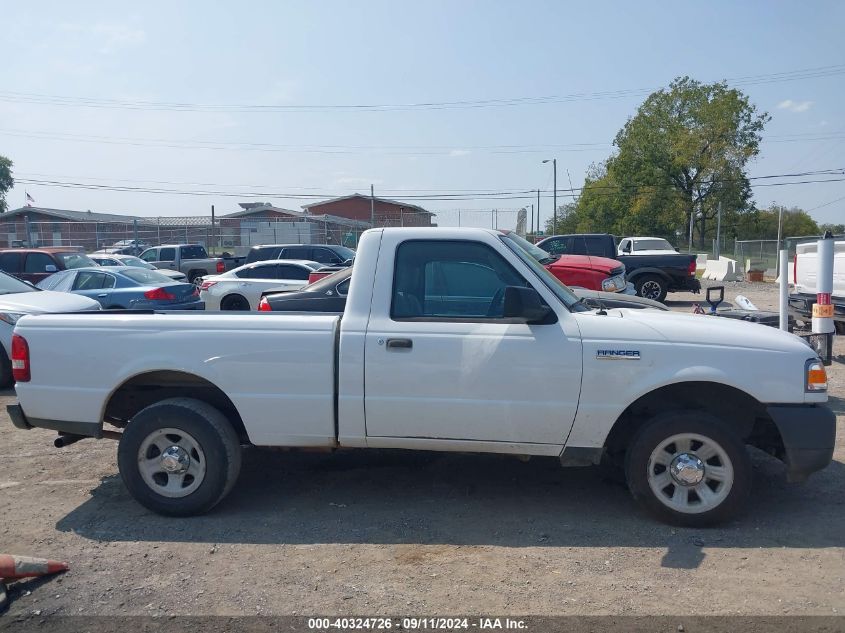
(690,473)
(650,290)
(171,462)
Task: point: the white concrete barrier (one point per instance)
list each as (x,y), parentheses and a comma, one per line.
(722,269)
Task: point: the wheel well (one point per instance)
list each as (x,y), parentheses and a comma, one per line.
(633,276)
(740,411)
(145,389)
(232,295)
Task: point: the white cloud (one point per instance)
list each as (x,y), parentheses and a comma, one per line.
(460,152)
(795,106)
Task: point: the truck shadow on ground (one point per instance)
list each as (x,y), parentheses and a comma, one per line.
(405,497)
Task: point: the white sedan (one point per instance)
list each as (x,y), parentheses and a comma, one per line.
(241,288)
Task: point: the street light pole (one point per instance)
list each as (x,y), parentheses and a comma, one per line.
(554,195)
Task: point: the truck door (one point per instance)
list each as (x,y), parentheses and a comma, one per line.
(443,364)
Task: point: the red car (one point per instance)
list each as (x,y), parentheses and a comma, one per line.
(581,271)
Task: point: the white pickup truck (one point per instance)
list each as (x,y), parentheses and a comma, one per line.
(452,340)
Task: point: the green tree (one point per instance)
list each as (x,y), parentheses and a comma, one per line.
(686,150)
(762,224)
(836,229)
(6,181)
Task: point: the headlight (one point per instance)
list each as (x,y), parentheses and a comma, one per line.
(613,284)
(11,317)
(815,376)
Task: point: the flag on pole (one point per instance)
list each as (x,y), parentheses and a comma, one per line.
(29,199)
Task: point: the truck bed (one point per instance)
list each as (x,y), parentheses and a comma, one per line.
(278,370)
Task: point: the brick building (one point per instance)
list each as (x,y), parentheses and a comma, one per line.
(386,212)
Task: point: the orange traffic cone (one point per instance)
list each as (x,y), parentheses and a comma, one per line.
(16,567)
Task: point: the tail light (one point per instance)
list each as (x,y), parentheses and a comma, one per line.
(221,267)
(159,294)
(264,305)
(207,284)
(20,359)
(692,267)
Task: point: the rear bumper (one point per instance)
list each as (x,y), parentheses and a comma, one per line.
(688,284)
(21,421)
(808,433)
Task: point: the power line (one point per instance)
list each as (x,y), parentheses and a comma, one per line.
(90,102)
(496,195)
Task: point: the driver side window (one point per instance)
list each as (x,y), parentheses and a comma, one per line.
(450,280)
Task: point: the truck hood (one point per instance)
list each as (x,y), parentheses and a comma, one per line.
(40,302)
(585,262)
(701,329)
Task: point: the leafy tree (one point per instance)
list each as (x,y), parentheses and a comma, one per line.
(6,181)
(762,224)
(686,150)
(836,229)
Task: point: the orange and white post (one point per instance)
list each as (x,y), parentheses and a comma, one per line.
(823,307)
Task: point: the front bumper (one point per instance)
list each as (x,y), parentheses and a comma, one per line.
(808,432)
(21,421)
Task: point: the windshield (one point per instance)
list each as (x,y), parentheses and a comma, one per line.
(533,257)
(76,260)
(136,262)
(146,277)
(345,253)
(9,285)
(652,245)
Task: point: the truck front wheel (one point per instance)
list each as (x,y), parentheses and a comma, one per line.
(686,468)
(179,457)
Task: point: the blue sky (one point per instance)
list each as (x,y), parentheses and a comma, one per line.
(346,53)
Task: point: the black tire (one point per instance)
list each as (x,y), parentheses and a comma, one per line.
(194,275)
(5,369)
(651,287)
(667,425)
(234,302)
(217,439)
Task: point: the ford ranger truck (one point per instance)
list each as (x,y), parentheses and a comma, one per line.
(453,339)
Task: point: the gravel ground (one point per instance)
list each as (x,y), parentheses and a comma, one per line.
(380,533)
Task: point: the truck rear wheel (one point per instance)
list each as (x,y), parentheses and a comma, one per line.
(686,468)
(179,457)
(651,287)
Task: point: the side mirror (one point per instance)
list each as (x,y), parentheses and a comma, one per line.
(524,303)
(50,268)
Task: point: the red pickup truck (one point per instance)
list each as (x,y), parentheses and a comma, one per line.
(581,271)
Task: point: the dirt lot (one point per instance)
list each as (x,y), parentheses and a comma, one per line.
(392,533)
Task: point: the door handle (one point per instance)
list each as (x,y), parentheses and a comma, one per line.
(103,295)
(399,343)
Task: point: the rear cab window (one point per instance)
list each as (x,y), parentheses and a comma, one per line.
(10,262)
(194,251)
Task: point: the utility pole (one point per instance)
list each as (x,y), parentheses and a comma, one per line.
(531,225)
(691,224)
(212,245)
(719,230)
(553,161)
(372,207)
(571,188)
(538,212)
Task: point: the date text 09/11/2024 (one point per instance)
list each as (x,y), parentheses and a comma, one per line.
(410,623)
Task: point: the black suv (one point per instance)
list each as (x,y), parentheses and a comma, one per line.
(328,254)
